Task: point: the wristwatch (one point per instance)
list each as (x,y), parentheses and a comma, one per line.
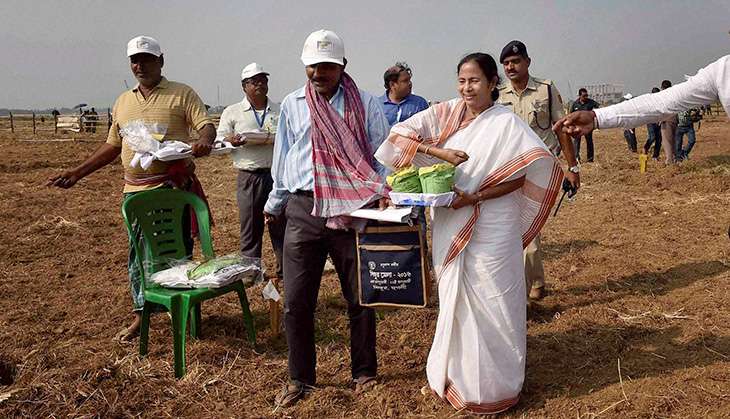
(574,169)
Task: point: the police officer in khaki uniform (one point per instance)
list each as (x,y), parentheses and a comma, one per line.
(537,102)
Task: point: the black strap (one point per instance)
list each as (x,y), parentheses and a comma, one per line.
(550,110)
(550,105)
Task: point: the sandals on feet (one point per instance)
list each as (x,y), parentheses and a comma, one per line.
(364,384)
(292,392)
(124,336)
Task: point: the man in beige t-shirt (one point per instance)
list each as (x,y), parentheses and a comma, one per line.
(153,100)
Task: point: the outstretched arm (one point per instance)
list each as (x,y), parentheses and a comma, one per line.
(701,89)
(103,155)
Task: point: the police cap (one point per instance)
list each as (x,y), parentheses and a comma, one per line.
(513,48)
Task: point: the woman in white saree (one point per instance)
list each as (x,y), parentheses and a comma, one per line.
(506,182)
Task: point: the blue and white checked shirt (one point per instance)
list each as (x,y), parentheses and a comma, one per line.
(292,167)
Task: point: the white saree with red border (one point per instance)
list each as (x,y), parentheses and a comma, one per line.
(477,360)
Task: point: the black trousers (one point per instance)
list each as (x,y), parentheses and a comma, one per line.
(654,138)
(630,139)
(307,242)
(252,192)
(589,146)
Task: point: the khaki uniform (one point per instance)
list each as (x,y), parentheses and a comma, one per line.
(532,106)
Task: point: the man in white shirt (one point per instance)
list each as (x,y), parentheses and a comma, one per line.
(252,158)
(710,84)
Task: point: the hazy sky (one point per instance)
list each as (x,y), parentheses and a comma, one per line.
(60,53)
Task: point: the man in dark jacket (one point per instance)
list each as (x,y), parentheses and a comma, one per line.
(584,103)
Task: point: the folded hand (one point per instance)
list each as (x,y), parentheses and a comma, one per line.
(455,157)
(463,199)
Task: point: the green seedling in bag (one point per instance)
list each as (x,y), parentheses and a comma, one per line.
(405,180)
(211,266)
(438,178)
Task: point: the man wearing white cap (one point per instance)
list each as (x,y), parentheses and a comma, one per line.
(154,100)
(255,113)
(323,169)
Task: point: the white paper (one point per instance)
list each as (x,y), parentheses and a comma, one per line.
(173,150)
(176,150)
(221,146)
(393,215)
(270,293)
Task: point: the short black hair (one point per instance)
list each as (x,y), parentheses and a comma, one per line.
(666,84)
(392,73)
(488,66)
(655,90)
(581,90)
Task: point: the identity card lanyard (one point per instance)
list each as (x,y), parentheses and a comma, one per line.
(260,122)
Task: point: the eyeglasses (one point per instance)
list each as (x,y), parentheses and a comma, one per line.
(258,80)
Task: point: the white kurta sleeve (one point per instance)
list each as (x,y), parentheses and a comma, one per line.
(701,89)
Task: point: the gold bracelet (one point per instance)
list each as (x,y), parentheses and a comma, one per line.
(428,147)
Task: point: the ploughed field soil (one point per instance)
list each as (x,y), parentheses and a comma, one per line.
(636,322)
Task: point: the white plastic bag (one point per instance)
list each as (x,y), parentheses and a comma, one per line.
(143,137)
(213,273)
(270,292)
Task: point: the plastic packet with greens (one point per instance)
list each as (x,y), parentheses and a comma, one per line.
(405,180)
(213,273)
(438,178)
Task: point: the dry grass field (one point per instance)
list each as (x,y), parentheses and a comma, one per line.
(636,323)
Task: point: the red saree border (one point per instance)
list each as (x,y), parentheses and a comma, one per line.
(508,169)
(457,401)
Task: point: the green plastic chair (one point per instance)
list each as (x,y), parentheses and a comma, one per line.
(159,214)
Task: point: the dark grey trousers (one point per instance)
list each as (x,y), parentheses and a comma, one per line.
(252,193)
(307,242)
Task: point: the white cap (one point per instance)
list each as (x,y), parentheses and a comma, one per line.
(323,46)
(143,44)
(252,70)
(628,96)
